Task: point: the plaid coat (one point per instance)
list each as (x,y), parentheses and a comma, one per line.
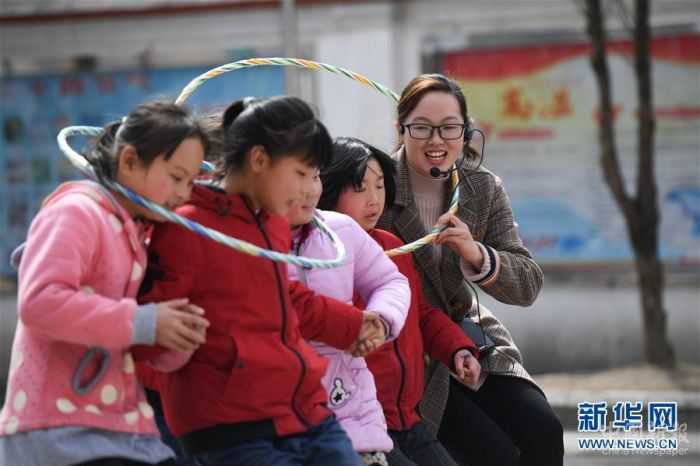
(484,206)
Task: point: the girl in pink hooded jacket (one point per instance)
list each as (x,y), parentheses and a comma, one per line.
(73,397)
(352,394)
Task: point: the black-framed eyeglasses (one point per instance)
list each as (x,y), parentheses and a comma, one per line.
(447,132)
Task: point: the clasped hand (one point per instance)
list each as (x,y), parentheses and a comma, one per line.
(180,325)
(372,335)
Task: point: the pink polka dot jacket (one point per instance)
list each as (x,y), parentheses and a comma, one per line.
(80,271)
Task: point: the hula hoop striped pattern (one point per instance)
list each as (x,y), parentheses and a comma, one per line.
(279,61)
(318,66)
(239,245)
(78,161)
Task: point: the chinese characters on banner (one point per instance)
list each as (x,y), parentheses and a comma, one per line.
(538,106)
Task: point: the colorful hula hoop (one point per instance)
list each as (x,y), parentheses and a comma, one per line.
(430,237)
(279,61)
(317,66)
(79,162)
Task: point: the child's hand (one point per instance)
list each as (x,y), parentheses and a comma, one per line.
(197,311)
(180,325)
(372,335)
(467,367)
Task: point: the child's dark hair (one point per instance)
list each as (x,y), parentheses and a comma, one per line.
(348,167)
(211,125)
(152,129)
(282,125)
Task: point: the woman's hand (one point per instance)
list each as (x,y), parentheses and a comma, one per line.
(458,238)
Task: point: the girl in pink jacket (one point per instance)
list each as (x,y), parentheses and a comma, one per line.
(73,397)
(352,394)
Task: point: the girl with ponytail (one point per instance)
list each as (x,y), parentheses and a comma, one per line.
(252,393)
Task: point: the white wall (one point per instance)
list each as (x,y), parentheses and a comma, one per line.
(383,39)
(350,109)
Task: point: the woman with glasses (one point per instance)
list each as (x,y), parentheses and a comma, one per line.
(504,419)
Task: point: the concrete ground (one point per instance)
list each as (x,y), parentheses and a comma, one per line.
(635,383)
(583,342)
(632,460)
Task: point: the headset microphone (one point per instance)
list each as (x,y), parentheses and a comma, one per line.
(435,172)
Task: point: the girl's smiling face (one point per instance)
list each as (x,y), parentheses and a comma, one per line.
(285,184)
(303,212)
(167,182)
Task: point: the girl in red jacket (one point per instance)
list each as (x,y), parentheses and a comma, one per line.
(252,394)
(360,182)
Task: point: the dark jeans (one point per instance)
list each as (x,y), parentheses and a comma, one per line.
(123,462)
(168,438)
(323,445)
(417,447)
(507,422)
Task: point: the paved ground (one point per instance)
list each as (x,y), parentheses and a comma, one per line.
(684,378)
(632,460)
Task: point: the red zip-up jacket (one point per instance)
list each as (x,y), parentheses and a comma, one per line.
(398,366)
(255,374)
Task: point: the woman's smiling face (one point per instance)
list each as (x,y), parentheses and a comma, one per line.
(435,108)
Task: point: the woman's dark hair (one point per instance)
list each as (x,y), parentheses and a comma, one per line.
(421,85)
(283,125)
(152,129)
(348,167)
